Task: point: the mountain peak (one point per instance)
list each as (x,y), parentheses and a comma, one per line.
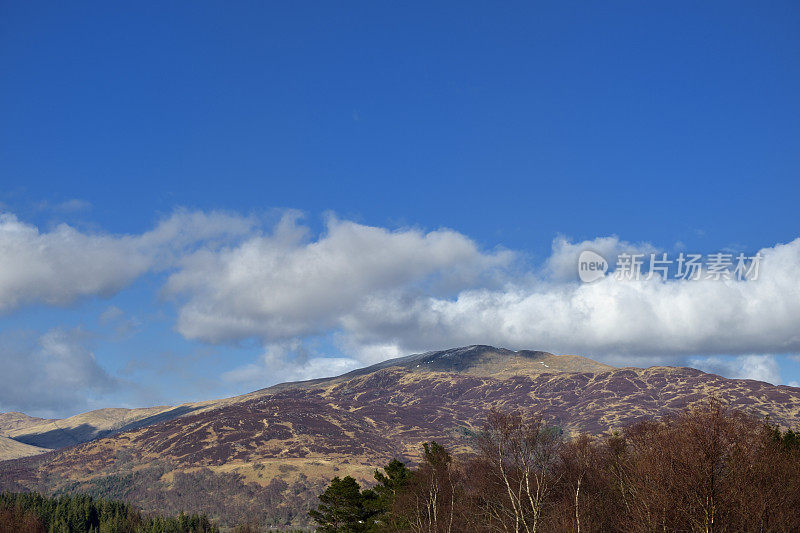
(484,360)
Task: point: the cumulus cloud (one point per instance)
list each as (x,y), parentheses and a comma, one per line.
(61,265)
(608,317)
(283,285)
(57,267)
(289,361)
(758,367)
(561,265)
(51,374)
(383,292)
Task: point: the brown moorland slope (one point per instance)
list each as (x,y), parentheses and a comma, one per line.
(45,434)
(267,455)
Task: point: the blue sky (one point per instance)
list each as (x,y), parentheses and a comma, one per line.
(474,143)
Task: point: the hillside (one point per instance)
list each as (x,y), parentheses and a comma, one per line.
(15,421)
(267,454)
(12,449)
(46,434)
(486,361)
(58,433)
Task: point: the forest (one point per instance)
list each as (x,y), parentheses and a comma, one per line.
(33,513)
(708,469)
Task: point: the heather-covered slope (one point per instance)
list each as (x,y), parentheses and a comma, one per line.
(268,454)
(44,434)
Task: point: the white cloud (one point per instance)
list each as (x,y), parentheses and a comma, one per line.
(282,362)
(608,317)
(383,293)
(50,375)
(758,367)
(283,285)
(563,260)
(386,293)
(57,267)
(61,265)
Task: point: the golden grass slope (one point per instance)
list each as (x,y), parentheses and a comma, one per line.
(13,421)
(76,429)
(11,449)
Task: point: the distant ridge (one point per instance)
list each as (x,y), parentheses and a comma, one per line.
(13,421)
(45,434)
(11,449)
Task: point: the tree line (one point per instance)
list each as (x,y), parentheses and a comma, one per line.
(708,469)
(31,512)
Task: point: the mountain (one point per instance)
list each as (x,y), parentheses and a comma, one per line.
(267,454)
(12,449)
(485,361)
(46,434)
(14,421)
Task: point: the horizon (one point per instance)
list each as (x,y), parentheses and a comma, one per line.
(202,200)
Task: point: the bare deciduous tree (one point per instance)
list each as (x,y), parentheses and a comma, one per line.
(522,454)
(706,470)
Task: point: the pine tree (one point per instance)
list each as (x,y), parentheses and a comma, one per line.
(395,477)
(344,508)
